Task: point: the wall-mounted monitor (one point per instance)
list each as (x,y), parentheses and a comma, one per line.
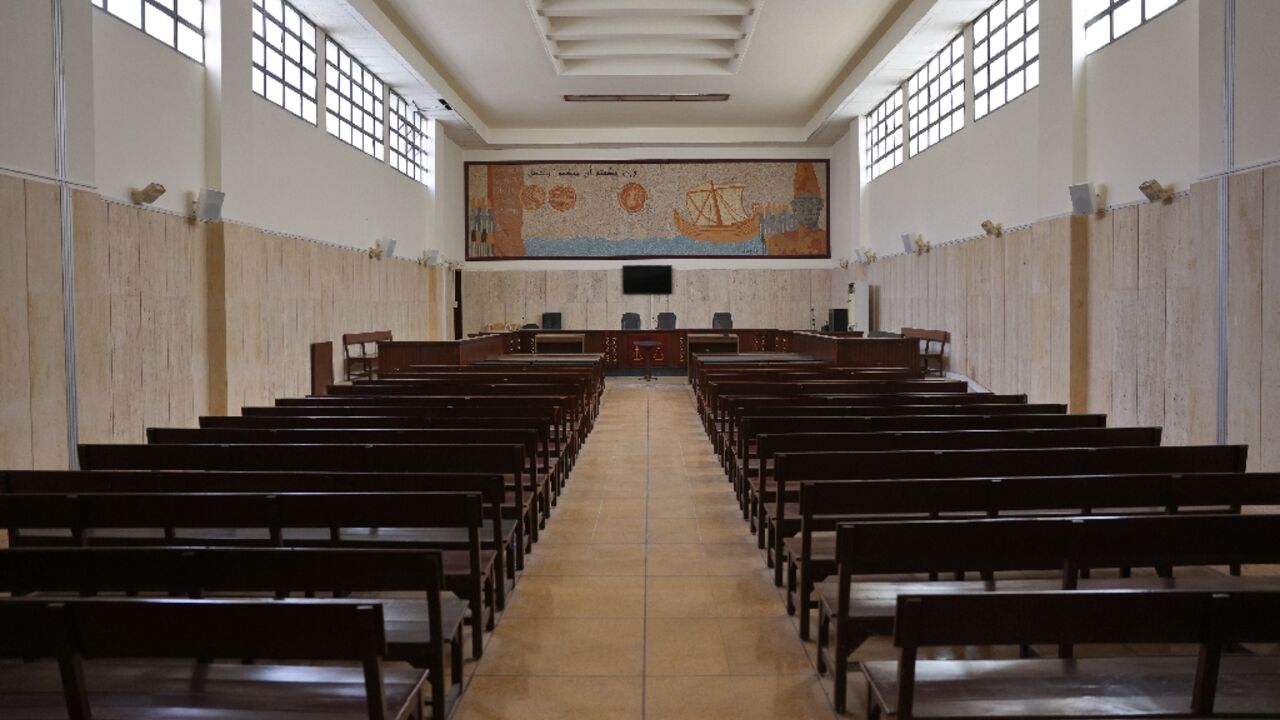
(646,279)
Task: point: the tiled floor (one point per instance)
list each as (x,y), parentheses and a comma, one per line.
(646,596)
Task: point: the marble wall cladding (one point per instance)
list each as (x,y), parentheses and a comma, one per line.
(593,299)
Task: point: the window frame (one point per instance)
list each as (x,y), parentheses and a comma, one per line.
(415,141)
(179,20)
(1109,14)
(332,90)
(981,109)
(887,124)
(258,7)
(918,137)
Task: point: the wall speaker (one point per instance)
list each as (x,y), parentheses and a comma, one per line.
(1084,199)
(209,205)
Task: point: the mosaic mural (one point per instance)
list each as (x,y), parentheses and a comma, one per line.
(760,208)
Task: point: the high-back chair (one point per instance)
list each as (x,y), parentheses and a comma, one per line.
(722,321)
(550,321)
(630,321)
(666,321)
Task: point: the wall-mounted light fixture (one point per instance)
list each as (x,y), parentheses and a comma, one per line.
(148,194)
(208,205)
(384,247)
(994,229)
(1155,192)
(913,243)
(1085,200)
(866,257)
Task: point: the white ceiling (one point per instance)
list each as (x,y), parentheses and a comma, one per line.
(494,54)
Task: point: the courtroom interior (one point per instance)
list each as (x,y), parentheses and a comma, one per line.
(639,359)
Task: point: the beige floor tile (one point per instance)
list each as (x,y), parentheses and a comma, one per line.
(769,697)
(723,647)
(626,531)
(565,647)
(672,530)
(551,698)
(577,560)
(561,596)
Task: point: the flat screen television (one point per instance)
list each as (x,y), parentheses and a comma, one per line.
(646,279)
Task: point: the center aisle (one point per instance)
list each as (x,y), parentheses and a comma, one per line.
(645,597)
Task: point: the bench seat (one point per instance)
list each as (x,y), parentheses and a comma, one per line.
(161,690)
(872,604)
(1110,687)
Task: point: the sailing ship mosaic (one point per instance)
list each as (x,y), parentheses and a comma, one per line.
(760,208)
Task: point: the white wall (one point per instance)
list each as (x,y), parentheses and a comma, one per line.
(649,153)
(26,79)
(308,183)
(1129,112)
(149,115)
(1142,95)
(987,170)
(1257,88)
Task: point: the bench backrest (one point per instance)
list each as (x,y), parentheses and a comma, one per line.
(985,463)
(993,496)
(1067,544)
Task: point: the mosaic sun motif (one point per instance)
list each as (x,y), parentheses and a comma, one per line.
(756,208)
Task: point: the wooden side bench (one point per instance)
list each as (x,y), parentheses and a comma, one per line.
(421,631)
(1211,684)
(360,520)
(71,630)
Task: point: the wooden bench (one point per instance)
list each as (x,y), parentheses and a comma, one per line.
(550,449)
(500,504)
(811,556)
(368,520)
(507,459)
(1065,546)
(551,416)
(822,419)
(75,631)
(360,353)
(452,405)
(421,631)
(901,464)
(783,522)
(1212,683)
(539,478)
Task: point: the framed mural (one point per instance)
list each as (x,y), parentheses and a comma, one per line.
(648,209)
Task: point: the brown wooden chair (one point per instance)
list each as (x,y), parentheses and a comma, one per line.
(360,353)
(933,346)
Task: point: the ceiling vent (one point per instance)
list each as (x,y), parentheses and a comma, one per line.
(655,37)
(668,97)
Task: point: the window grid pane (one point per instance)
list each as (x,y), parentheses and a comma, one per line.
(181,27)
(1006,54)
(354,109)
(1118,18)
(884,136)
(284,57)
(935,98)
(408,139)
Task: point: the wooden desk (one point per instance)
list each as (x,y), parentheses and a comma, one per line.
(562,343)
(619,351)
(704,343)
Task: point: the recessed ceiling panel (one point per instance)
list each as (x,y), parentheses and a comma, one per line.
(645,37)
